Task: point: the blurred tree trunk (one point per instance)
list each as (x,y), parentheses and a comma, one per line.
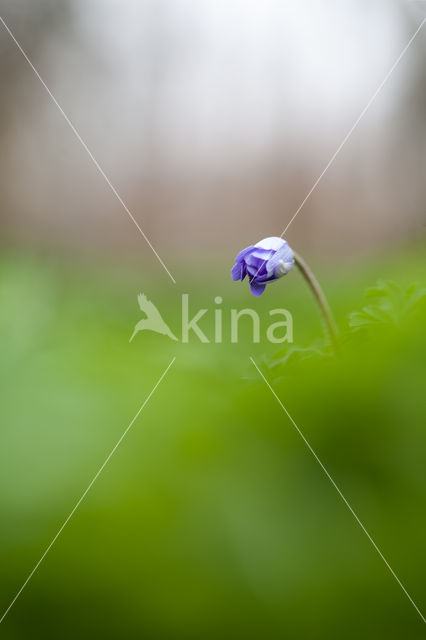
(32,23)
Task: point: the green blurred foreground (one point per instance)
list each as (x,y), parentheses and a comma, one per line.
(212,519)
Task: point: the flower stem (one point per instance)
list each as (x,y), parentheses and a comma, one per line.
(320,298)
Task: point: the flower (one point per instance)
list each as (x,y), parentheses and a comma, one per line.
(264,262)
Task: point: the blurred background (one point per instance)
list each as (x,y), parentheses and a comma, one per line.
(213,120)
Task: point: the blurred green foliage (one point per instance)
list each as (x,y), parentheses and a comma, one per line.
(390,304)
(212,519)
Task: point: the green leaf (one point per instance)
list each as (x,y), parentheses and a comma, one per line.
(389,305)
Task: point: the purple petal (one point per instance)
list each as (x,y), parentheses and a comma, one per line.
(258,261)
(264,279)
(256,288)
(263,254)
(237,272)
(253,269)
(243,253)
(252,261)
(256,264)
(283,255)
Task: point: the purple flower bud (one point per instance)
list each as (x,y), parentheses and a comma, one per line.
(264,262)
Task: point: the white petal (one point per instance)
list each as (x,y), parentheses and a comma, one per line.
(273,243)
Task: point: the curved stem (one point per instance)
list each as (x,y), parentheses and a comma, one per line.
(320,298)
